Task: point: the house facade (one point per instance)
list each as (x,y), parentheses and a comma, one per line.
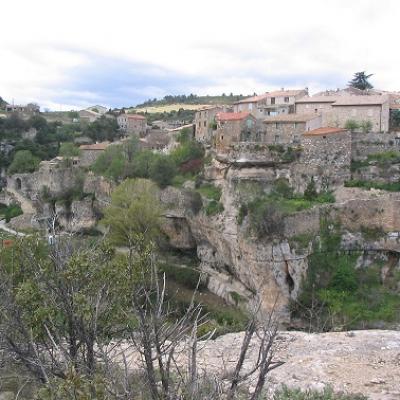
(90,152)
(235,127)
(133,124)
(270,104)
(204,123)
(286,129)
(373,108)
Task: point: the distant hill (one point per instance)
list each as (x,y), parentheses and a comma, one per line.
(192,99)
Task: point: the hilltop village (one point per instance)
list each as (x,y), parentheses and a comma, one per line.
(284,203)
(254,182)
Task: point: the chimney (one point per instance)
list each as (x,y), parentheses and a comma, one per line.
(306,90)
(282,89)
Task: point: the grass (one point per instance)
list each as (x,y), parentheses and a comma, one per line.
(168,108)
(390,187)
(214,208)
(380,159)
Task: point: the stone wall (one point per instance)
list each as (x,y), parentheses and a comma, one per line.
(88,157)
(364,144)
(331,152)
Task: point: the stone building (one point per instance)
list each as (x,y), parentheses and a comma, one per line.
(273,103)
(30,108)
(337,108)
(235,127)
(373,108)
(285,129)
(88,116)
(328,149)
(204,123)
(133,124)
(315,104)
(90,152)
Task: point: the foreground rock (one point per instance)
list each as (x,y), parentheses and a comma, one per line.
(366,362)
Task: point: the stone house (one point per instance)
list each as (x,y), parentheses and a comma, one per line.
(133,124)
(273,103)
(30,108)
(204,120)
(317,104)
(90,152)
(373,108)
(88,116)
(235,127)
(330,150)
(285,129)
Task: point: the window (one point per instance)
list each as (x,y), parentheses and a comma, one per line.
(276,125)
(286,99)
(316,110)
(205,123)
(276,138)
(249,123)
(272,100)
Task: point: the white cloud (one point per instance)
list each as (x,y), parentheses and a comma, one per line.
(229,46)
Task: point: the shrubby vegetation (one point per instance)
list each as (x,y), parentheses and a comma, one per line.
(390,187)
(327,394)
(119,162)
(384,160)
(11,211)
(265,212)
(338,295)
(24,161)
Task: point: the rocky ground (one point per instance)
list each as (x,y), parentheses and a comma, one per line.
(366,362)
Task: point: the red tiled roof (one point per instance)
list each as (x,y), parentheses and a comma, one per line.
(135,116)
(226,116)
(95,146)
(395,106)
(324,131)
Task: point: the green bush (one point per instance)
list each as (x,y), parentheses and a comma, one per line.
(366,126)
(210,191)
(214,207)
(11,211)
(390,187)
(311,192)
(186,276)
(24,161)
(282,188)
(286,393)
(162,170)
(351,125)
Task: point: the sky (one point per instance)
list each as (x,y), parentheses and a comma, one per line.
(71,54)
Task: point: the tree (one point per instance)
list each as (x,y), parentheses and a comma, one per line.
(366,126)
(69,150)
(134,215)
(311,192)
(24,161)
(162,170)
(360,81)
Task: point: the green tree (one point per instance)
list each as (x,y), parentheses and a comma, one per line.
(360,81)
(134,215)
(73,115)
(24,161)
(162,170)
(69,150)
(311,192)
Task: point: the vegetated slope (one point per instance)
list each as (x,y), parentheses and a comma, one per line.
(192,99)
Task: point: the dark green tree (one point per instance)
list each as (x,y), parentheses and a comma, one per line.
(360,81)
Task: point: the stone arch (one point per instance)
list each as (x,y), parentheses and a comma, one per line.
(18,184)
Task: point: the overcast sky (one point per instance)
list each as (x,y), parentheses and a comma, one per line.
(72,54)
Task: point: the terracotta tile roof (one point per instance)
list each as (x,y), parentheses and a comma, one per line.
(366,100)
(95,146)
(317,99)
(324,131)
(394,106)
(135,116)
(226,116)
(291,118)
